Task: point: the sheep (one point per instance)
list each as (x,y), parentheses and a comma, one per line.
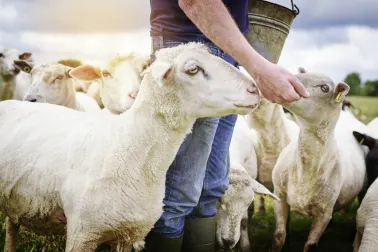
(324,168)
(367,222)
(232,220)
(274,132)
(101,178)
(373,127)
(371,157)
(51,83)
(120,84)
(9,73)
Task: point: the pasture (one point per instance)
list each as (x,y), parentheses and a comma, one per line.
(338,237)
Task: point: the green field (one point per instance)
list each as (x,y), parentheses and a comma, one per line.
(337,238)
(368,107)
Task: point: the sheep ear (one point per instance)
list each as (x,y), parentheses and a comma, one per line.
(341,90)
(85,73)
(160,71)
(23,65)
(260,189)
(25,56)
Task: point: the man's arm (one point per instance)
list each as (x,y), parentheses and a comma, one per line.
(215,22)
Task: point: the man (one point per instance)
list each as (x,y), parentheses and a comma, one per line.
(198,177)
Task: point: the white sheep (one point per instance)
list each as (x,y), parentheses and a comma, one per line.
(51,83)
(373,127)
(119,84)
(274,132)
(9,73)
(101,178)
(232,220)
(324,169)
(367,222)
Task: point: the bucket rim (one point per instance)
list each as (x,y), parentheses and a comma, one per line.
(294,8)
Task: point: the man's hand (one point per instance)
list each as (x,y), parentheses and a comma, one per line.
(216,23)
(277,84)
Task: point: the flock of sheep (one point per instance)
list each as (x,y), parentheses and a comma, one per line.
(85,150)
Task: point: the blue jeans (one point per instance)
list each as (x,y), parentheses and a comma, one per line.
(198,176)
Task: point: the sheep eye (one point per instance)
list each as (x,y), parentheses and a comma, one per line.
(105,73)
(193,70)
(2,55)
(59,77)
(27,69)
(324,88)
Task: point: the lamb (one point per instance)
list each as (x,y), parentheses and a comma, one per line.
(274,132)
(274,129)
(51,83)
(367,222)
(373,127)
(324,169)
(232,223)
(121,80)
(371,157)
(9,73)
(65,176)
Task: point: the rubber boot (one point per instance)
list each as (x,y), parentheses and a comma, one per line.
(156,242)
(199,235)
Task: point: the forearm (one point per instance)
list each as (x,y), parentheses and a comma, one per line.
(216,23)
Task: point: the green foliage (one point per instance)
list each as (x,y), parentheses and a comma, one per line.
(370,88)
(70,62)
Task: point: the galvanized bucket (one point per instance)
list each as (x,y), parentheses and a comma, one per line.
(269,26)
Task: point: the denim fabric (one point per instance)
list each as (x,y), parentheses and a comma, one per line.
(198,176)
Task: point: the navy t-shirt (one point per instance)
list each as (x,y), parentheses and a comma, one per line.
(168,20)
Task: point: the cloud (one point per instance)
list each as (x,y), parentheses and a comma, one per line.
(355,53)
(73,16)
(325,13)
(89,47)
(8,13)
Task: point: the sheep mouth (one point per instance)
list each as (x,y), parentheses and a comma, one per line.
(245,106)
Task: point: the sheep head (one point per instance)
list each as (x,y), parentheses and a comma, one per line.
(325,101)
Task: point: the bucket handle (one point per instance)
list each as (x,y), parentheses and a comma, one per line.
(294,8)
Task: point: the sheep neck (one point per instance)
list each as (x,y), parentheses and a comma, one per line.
(316,140)
(160,133)
(268,120)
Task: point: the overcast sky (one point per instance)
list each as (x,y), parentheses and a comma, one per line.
(329,36)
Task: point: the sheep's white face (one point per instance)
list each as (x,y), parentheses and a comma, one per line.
(8,70)
(205,84)
(51,84)
(325,101)
(233,205)
(119,90)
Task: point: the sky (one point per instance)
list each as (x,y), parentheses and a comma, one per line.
(331,37)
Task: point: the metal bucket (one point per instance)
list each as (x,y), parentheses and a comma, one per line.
(269,25)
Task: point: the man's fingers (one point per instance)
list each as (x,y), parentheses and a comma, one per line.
(299,88)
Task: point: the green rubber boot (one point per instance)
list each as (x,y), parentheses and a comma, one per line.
(156,242)
(199,235)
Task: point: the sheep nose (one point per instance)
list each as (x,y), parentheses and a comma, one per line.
(252,90)
(227,243)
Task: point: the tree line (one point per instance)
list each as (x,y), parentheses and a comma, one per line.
(358,88)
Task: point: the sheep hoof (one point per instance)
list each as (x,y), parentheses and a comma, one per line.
(311,248)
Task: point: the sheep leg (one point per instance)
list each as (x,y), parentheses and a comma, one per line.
(357,241)
(319,224)
(10,235)
(281,210)
(261,206)
(244,244)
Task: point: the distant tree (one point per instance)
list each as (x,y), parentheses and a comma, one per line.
(371,88)
(354,81)
(70,62)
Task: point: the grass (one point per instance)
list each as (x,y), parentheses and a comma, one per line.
(338,237)
(366,106)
